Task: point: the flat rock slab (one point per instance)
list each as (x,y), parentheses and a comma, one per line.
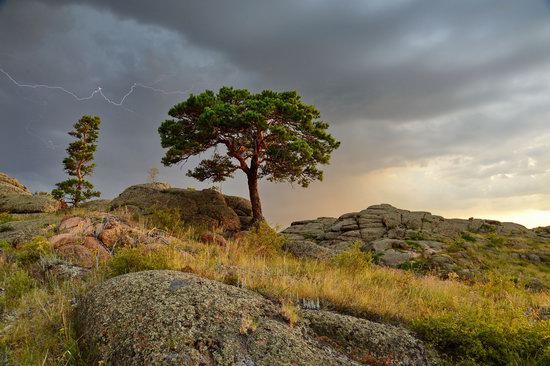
(394,258)
(16,232)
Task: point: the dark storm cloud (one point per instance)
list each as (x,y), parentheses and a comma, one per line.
(80,48)
(401,82)
(378,59)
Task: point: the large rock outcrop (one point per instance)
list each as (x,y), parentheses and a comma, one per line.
(207,207)
(399,238)
(16,198)
(175,318)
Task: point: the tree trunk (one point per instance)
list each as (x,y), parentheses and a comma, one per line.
(257,215)
(76,200)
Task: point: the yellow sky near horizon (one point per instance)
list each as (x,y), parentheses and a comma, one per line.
(427,187)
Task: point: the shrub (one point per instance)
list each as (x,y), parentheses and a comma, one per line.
(33,250)
(496,241)
(414,245)
(264,240)
(417,266)
(475,342)
(128,260)
(468,237)
(15,282)
(354,259)
(417,235)
(169,220)
(5,217)
(5,228)
(5,246)
(486,228)
(458,245)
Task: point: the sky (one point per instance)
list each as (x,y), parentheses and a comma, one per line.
(440,106)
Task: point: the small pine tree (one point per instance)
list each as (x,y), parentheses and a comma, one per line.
(153,174)
(78,164)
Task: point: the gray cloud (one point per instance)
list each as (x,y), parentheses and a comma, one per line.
(402,82)
(412,59)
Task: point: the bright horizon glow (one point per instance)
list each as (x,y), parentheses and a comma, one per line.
(529,218)
(428,187)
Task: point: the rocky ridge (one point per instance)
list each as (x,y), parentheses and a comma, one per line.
(16,198)
(398,237)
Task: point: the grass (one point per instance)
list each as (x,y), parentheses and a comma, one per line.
(37,310)
(354,259)
(44,331)
(290,313)
(484,323)
(5,217)
(489,253)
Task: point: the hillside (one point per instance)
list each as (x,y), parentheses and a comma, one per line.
(367,288)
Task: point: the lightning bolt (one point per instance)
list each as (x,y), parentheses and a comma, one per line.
(98,90)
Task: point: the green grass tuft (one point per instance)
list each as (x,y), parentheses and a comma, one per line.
(354,259)
(5,217)
(128,260)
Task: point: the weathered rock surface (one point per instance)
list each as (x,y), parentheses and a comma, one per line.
(397,237)
(207,207)
(88,241)
(175,318)
(11,185)
(16,198)
(16,232)
(61,269)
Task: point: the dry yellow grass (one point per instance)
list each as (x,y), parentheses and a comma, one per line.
(483,323)
(388,293)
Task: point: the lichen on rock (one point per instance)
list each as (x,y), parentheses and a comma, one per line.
(175,318)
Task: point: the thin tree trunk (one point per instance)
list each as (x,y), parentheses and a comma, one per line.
(252,176)
(79,184)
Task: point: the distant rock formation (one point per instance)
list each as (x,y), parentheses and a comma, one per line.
(175,318)
(207,207)
(10,185)
(394,236)
(16,198)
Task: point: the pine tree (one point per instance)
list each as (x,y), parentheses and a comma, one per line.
(267,135)
(78,164)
